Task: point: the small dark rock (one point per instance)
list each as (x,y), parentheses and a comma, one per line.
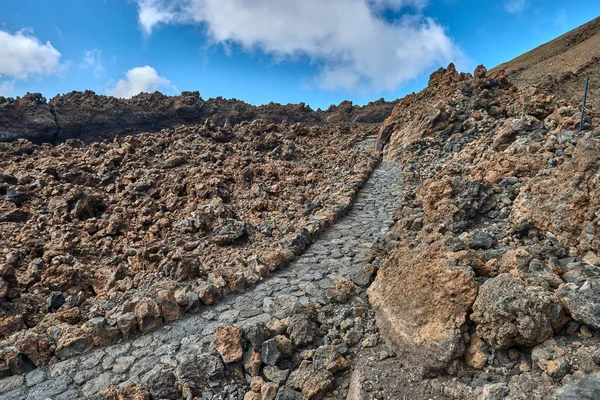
(55,302)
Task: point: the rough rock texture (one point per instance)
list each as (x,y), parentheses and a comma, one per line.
(508,312)
(180,361)
(582,301)
(142,229)
(422,298)
(569,207)
(585,388)
(496,171)
(91,117)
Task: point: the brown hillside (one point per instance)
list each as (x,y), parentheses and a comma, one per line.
(560,66)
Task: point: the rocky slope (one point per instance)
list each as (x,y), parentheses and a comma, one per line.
(104,240)
(490,289)
(561,65)
(90,117)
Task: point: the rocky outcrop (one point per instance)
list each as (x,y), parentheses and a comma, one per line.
(567,208)
(90,117)
(29,117)
(496,172)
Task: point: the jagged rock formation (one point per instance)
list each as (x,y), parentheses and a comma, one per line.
(91,117)
(499,227)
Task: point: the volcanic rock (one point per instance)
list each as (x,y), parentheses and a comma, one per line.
(582,302)
(508,312)
(422,297)
(228,343)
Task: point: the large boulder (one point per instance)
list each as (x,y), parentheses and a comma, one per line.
(421,297)
(508,312)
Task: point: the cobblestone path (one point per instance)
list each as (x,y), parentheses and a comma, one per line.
(334,255)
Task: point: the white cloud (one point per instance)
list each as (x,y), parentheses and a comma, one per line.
(23,55)
(93,60)
(6,87)
(140,80)
(515,6)
(355,46)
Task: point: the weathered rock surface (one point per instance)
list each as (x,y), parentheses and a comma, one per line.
(508,312)
(582,302)
(180,360)
(422,298)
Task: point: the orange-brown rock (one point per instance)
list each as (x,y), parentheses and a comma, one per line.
(228,343)
(565,201)
(422,297)
(129,392)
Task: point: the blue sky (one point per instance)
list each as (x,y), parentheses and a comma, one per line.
(315,51)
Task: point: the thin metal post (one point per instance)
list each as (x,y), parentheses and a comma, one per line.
(587,82)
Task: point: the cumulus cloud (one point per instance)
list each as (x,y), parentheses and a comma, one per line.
(515,6)
(23,55)
(355,46)
(93,60)
(139,80)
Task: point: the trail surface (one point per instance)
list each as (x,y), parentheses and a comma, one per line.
(334,255)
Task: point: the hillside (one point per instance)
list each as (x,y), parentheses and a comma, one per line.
(560,66)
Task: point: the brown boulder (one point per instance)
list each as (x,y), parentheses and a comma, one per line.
(421,297)
(148,315)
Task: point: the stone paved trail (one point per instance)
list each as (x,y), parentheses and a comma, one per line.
(335,255)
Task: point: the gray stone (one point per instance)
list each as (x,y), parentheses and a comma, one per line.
(50,387)
(196,371)
(270,353)
(508,312)
(582,302)
(17,394)
(280,306)
(161,383)
(256,334)
(63,367)
(127,324)
(34,377)
(586,388)
(481,241)
(551,359)
(301,327)
(495,391)
(276,375)
(91,360)
(285,393)
(10,383)
(122,364)
(96,385)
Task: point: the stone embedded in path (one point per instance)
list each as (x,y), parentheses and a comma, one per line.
(228,343)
